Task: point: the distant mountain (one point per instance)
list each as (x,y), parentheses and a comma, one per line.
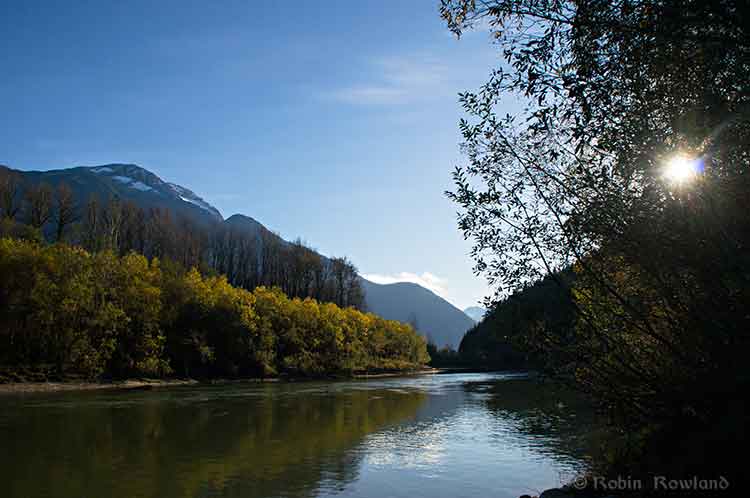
(476,313)
(436,318)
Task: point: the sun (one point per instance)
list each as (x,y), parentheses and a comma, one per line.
(681,168)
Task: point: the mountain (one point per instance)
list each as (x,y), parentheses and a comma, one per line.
(245,224)
(439,320)
(129,183)
(476,313)
(436,318)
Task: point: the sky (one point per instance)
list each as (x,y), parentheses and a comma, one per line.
(335,121)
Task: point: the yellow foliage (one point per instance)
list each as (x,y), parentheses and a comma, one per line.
(124,316)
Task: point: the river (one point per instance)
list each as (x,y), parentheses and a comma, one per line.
(456,435)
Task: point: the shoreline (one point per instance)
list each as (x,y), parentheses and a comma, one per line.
(124,385)
(148,384)
(405,373)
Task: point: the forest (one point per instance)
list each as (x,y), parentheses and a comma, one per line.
(510,336)
(120,292)
(71,313)
(248,258)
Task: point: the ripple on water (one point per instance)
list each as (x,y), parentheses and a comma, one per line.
(452,435)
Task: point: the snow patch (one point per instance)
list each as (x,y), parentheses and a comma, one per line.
(140,186)
(181,191)
(103,169)
(133,183)
(200,204)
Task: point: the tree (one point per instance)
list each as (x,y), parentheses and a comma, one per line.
(91,229)
(111,223)
(39,200)
(589,158)
(65,210)
(346,284)
(9,189)
(616,96)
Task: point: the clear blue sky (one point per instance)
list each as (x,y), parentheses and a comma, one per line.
(332,121)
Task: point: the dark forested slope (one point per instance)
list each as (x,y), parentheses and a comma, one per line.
(508,335)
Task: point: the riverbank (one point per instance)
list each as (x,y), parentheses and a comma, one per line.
(145,384)
(422,371)
(49,387)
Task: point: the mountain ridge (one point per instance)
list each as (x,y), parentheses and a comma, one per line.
(127,182)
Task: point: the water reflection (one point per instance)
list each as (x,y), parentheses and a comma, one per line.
(479,435)
(215,442)
(423,436)
(550,419)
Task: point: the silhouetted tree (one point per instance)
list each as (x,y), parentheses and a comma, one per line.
(615,93)
(9,191)
(39,199)
(65,210)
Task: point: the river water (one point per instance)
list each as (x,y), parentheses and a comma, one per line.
(457,435)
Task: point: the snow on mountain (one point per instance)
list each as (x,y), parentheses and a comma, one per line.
(140,186)
(144,181)
(188,196)
(131,183)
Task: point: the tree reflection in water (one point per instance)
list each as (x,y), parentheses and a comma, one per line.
(442,435)
(211,442)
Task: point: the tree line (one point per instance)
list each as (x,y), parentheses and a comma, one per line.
(247,258)
(95,315)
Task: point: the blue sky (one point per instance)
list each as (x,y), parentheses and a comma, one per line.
(332,121)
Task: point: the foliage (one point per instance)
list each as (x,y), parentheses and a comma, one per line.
(266,441)
(516,332)
(612,92)
(121,316)
(446,357)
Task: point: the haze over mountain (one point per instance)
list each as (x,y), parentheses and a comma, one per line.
(435,317)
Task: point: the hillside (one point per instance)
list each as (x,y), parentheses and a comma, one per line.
(510,332)
(438,319)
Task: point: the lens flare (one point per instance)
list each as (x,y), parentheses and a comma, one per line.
(681,168)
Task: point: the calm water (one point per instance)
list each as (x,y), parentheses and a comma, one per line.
(477,435)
